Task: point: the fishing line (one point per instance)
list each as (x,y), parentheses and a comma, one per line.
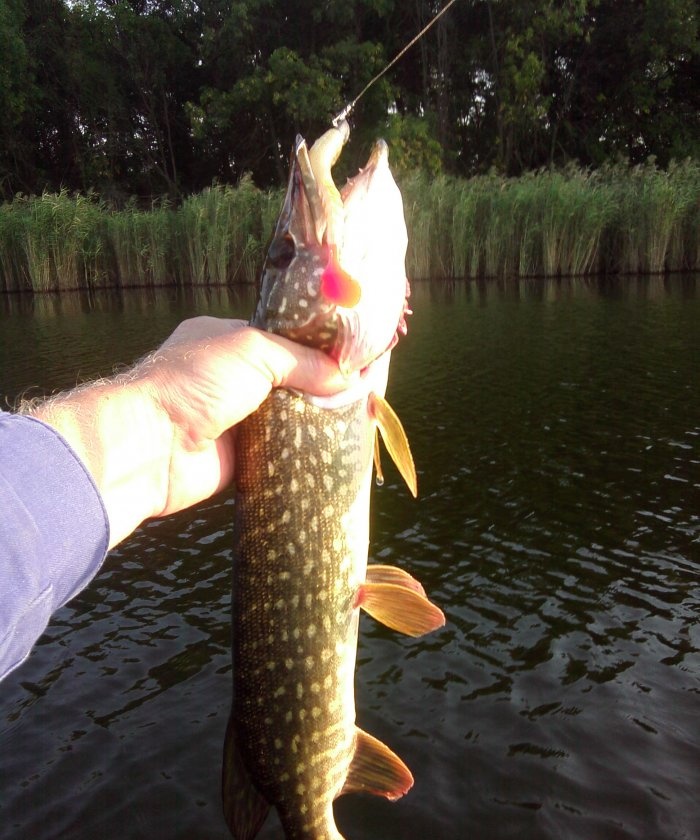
(348,108)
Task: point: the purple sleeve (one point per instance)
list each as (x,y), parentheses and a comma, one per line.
(54,531)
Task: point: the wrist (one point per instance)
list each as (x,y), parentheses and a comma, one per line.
(123,438)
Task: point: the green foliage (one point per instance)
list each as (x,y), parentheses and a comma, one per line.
(221,234)
(141,244)
(166,97)
(144,105)
(554,222)
(413,145)
(14,65)
(52,242)
(550,223)
(655,213)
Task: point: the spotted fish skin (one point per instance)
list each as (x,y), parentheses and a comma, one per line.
(303,482)
(303,479)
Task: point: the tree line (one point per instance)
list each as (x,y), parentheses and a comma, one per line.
(166,97)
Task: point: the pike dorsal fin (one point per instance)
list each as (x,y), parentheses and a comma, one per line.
(376,769)
(245,808)
(399,605)
(395,440)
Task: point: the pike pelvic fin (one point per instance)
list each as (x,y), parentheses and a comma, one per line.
(399,605)
(245,808)
(392,574)
(376,769)
(395,440)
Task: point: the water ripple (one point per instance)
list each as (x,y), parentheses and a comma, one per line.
(555,429)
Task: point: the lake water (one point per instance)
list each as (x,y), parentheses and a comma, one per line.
(556,430)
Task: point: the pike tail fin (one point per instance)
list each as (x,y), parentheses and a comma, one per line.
(376,769)
(396,599)
(245,808)
(395,440)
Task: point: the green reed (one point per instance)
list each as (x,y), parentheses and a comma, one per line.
(548,223)
(526,226)
(656,223)
(555,222)
(222,232)
(141,245)
(52,241)
(13,275)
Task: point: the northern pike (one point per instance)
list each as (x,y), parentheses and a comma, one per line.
(334,278)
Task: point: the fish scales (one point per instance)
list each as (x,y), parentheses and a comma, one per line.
(334,278)
(301,546)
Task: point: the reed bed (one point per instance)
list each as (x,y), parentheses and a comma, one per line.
(616,219)
(53,241)
(222,232)
(569,222)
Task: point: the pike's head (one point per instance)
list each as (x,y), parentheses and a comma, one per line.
(334,276)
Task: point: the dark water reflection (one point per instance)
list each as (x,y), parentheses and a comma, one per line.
(556,427)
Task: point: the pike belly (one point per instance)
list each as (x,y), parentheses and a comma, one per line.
(301,537)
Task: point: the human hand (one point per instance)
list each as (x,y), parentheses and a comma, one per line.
(209,375)
(160,437)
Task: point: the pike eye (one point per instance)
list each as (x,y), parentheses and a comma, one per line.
(281,252)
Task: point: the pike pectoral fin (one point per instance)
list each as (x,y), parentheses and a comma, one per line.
(376,769)
(395,439)
(245,808)
(400,607)
(378,460)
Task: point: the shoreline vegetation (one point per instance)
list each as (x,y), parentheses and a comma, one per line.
(570,222)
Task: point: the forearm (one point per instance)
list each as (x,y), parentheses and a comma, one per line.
(53,531)
(146,443)
(124,439)
(157,439)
